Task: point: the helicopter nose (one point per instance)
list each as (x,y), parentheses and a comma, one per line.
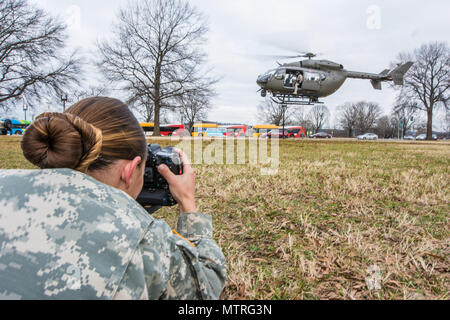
(261,81)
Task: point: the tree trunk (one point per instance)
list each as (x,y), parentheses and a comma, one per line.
(430,124)
(156,130)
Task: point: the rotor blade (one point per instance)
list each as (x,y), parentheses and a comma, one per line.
(302,55)
(283,57)
(272,57)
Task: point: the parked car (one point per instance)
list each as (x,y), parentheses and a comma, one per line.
(321,135)
(278,133)
(368,136)
(424,137)
(409,138)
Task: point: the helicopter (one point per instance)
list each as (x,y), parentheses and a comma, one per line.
(304,82)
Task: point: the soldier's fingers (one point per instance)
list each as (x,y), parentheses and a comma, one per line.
(184,159)
(166,173)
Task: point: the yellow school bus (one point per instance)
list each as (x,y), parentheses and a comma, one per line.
(148,128)
(200,129)
(263,128)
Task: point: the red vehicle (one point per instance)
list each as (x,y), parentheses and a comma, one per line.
(181,133)
(169,130)
(236,131)
(289,132)
(296,132)
(277,133)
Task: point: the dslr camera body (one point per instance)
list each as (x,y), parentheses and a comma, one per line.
(155,192)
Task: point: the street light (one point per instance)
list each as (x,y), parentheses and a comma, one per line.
(25,108)
(64,100)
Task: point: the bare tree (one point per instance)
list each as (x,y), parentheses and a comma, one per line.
(347,117)
(428,81)
(385,127)
(31,44)
(156,52)
(78,94)
(318,117)
(447,121)
(194,106)
(301,118)
(143,106)
(405,113)
(359,117)
(367,116)
(272,113)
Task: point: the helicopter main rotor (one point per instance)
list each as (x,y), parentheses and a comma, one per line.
(302,54)
(308,55)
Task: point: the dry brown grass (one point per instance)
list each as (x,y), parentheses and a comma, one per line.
(334,210)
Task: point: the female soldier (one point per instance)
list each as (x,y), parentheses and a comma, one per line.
(74,230)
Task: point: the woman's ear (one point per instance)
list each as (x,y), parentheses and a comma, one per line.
(128,169)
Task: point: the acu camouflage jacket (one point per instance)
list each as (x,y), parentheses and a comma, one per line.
(64,235)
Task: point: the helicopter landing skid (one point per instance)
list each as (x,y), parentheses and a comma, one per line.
(295,100)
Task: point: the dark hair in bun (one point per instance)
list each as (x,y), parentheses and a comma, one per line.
(91,135)
(61,140)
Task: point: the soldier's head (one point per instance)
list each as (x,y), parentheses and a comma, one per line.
(98,136)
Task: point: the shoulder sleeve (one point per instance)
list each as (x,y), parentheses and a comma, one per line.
(186,264)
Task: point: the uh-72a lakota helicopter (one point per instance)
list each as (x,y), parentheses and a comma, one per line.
(304,82)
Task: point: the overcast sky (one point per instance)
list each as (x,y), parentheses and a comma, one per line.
(362,35)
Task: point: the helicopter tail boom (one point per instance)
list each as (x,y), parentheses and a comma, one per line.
(397,75)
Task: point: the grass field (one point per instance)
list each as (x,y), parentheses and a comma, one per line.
(337,214)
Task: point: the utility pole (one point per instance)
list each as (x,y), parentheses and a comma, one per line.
(322,115)
(284,107)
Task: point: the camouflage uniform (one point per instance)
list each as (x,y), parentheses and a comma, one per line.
(64,235)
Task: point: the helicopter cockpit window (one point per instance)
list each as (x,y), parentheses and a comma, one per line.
(312,76)
(279,75)
(271,72)
(268,75)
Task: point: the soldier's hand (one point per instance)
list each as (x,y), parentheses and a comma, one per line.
(182,187)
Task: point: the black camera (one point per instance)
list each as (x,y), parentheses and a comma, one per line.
(155,192)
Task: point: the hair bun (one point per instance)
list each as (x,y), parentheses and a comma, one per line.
(61,140)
